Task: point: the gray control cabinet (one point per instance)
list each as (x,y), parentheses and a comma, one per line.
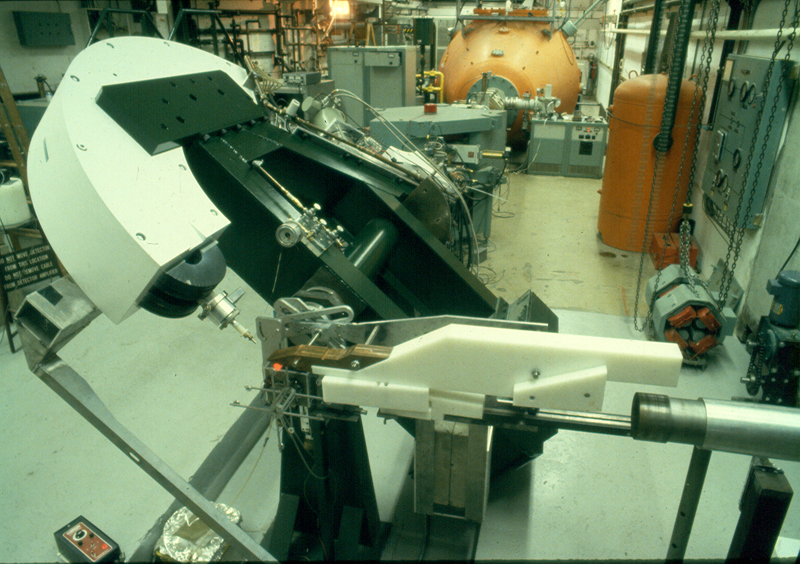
(744,86)
(384,77)
(568,148)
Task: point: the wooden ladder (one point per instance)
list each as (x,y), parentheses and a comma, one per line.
(18,142)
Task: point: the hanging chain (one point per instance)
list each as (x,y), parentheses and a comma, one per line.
(707,51)
(734,247)
(685,228)
(655,186)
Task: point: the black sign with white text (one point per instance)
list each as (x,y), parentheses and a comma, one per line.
(28,266)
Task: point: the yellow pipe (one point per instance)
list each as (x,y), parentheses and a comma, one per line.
(439,89)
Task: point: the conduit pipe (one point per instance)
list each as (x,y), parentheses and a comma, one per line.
(663,140)
(655,32)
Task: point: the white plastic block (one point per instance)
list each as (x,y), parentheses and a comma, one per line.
(350,391)
(461,364)
(576,391)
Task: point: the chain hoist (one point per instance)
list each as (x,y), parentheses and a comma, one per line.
(735,244)
(705,63)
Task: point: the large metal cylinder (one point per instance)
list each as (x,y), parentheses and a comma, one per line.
(372,246)
(743,428)
(520,57)
(633,124)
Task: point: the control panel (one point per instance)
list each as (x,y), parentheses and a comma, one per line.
(567,147)
(81,541)
(727,179)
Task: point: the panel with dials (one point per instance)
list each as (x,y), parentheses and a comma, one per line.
(743,90)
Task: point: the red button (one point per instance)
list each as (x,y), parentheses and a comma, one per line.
(104,546)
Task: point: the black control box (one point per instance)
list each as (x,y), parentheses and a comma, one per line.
(81,541)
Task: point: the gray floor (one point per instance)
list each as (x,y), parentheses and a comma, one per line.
(171,382)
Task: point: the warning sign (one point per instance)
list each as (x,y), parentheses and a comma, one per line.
(28,266)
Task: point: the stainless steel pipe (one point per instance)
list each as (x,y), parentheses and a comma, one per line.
(743,428)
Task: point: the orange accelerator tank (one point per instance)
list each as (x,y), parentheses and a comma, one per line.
(634,121)
(520,57)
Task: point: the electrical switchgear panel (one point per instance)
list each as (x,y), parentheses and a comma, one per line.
(728,180)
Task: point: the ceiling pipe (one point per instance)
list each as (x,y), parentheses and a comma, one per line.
(748,34)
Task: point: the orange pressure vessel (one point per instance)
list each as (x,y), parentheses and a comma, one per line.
(634,121)
(520,56)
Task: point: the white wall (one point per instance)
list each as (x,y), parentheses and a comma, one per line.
(22,64)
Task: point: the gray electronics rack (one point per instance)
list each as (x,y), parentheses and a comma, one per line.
(384,77)
(743,90)
(568,148)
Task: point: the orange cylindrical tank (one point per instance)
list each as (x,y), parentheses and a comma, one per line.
(519,52)
(634,121)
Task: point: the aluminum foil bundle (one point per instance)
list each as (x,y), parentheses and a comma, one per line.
(187,539)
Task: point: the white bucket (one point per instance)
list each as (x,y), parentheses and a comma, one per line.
(14,209)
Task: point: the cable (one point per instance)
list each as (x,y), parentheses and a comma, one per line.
(255,464)
(425,538)
(294,441)
(438,176)
(790,256)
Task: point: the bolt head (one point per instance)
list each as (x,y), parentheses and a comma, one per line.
(355,365)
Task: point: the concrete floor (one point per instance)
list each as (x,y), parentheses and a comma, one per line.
(171,382)
(545,238)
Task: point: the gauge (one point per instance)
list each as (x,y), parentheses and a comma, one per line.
(744,91)
(723,185)
(721,181)
(737,159)
(731,88)
(751,94)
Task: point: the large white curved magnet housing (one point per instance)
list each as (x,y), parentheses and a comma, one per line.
(116,216)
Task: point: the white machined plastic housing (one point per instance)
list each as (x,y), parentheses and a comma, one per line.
(116,216)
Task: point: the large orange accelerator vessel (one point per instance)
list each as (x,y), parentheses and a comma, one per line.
(634,121)
(520,56)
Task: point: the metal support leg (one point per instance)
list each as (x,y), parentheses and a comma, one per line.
(687,509)
(764,504)
(73,389)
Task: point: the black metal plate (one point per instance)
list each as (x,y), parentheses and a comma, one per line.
(161,113)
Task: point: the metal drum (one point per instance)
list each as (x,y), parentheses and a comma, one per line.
(633,122)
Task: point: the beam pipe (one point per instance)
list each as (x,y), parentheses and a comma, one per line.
(743,428)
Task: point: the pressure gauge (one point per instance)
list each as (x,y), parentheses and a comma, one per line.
(744,91)
(731,88)
(721,181)
(737,159)
(751,94)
